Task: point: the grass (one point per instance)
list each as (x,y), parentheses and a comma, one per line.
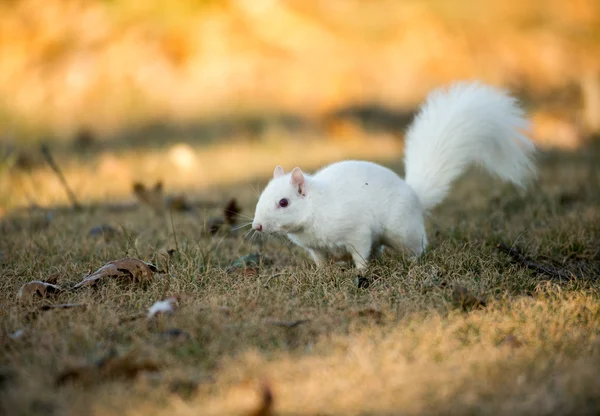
(401,346)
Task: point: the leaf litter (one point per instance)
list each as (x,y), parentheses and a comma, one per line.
(34,289)
(128,268)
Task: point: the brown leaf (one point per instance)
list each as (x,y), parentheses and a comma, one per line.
(111,367)
(36,289)
(129,268)
(245,272)
(153,198)
(231,212)
(466,299)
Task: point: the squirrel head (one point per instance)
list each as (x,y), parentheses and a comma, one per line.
(283,207)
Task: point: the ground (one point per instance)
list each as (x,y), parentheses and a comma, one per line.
(466,329)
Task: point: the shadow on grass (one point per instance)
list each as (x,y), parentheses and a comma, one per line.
(368,118)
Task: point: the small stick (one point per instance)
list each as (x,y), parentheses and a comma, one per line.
(174,233)
(290,324)
(528,262)
(48,156)
(63,306)
(271,277)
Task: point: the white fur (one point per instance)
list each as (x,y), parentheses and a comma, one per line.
(468,123)
(355,207)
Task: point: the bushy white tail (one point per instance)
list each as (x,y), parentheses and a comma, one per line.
(467,123)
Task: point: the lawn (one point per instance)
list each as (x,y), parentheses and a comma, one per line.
(466,329)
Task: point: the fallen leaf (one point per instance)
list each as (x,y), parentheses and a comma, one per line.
(129,268)
(464,298)
(249,271)
(110,367)
(231,212)
(36,289)
(153,198)
(164,307)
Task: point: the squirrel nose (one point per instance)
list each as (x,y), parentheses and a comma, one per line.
(258,227)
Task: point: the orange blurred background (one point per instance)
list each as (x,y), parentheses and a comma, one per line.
(113,65)
(134,74)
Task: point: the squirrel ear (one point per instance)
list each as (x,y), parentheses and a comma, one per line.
(297,180)
(278,172)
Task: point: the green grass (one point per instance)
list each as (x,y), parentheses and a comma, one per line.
(402,346)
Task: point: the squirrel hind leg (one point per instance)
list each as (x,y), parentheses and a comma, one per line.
(412,243)
(361,252)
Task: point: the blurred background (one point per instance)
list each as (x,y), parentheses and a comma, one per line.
(204,93)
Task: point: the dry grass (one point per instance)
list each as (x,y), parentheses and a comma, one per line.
(401,346)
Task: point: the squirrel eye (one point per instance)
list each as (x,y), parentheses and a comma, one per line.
(283,203)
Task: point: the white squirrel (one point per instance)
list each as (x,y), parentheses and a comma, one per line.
(357,208)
